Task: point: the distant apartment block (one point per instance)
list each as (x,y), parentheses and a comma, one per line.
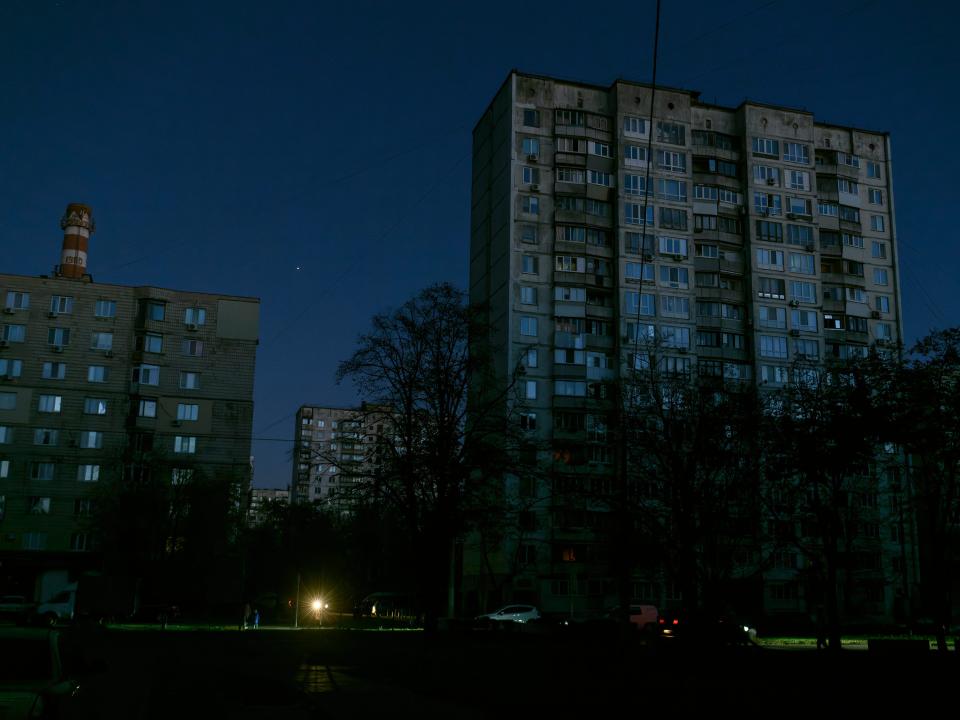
(260,498)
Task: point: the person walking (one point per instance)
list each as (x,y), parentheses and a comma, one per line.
(246,617)
(256,619)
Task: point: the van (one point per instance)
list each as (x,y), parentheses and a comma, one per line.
(60,608)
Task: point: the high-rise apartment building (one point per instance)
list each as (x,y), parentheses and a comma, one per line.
(333,448)
(100,382)
(740,238)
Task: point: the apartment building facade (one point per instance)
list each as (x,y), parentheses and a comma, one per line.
(333,449)
(739,239)
(100,382)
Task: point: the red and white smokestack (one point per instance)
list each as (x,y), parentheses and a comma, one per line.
(77,224)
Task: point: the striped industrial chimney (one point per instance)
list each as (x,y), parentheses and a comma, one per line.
(77,224)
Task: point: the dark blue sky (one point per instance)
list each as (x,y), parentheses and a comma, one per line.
(222,145)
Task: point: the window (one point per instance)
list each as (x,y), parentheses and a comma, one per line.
(154,310)
(18,300)
(675,306)
(883,331)
(530,205)
(807,348)
(58,337)
(531,117)
(530,175)
(147,374)
(707,251)
(530,146)
(766,175)
(195,316)
(37,505)
(529,264)
(771,288)
(633,244)
(94,406)
(570,263)
(4,470)
(598,148)
(634,155)
(42,471)
(189,380)
(673,218)
(675,277)
(852,240)
(704,222)
(671,161)
(796,153)
(570,388)
(6,435)
(97,373)
(50,403)
(805,320)
(882,303)
(769,231)
(14,333)
(193,348)
(634,214)
(8,401)
(878,250)
(54,371)
(766,146)
(827,208)
(45,436)
(671,133)
(799,206)
(79,541)
(773,346)
(880,276)
(633,125)
(876,223)
(181,476)
(595,177)
(803,291)
(876,196)
(11,368)
(849,187)
(705,192)
(769,259)
(773,317)
(188,411)
(151,343)
(849,214)
(528,326)
(675,337)
(148,408)
(565,356)
(61,304)
(856,295)
(766,204)
(799,180)
(569,294)
(803,264)
(105,309)
(185,445)
(673,246)
(640,304)
(101,341)
(731,197)
(633,184)
(800,235)
(574,176)
(91,439)
(528,295)
(672,190)
(528,234)
(532,357)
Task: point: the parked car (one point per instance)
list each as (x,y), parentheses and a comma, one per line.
(15,607)
(33,680)
(510,614)
(705,629)
(643,617)
(58,609)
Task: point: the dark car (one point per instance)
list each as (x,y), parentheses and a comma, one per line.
(33,680)
(704,629)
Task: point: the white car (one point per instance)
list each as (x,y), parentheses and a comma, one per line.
(511,613)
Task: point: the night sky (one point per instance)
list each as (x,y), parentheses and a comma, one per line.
(317,155)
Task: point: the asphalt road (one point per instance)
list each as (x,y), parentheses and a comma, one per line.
(273,673)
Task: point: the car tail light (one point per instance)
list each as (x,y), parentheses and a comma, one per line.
(676,621)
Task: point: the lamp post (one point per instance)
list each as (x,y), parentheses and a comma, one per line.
(319,606)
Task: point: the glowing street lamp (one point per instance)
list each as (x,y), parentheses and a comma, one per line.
(319,606)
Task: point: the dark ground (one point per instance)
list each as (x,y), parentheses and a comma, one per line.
(274,673)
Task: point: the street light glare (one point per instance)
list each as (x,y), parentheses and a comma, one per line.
(316,605)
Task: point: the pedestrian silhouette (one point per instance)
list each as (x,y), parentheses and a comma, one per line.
(256,618)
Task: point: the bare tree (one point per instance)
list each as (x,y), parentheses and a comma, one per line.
(418,371)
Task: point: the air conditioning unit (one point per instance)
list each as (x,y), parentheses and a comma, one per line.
(795,303)
(532,158)
(771,181)
(108,353)
(808,247)
(192,326)
(534,188)
(648,257)
(57,348)
(794,333)
(875,314)
(8,311)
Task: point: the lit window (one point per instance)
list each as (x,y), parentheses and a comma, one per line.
(530,389)
(91,439)
(54,371)
(148,408)
(189,380)
(50,403)
(101,341)
(18,300)
(88,473)
(94,406)
(187,411)
(185,445)
(97,373)
(147,374)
